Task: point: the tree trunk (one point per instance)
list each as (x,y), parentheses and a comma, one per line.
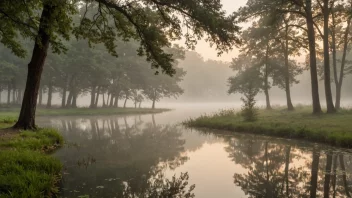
(314,173)
(153,105)
(334,58)
(64,92)
(8,93)
(74,100)
(97,98)
(20,96)
(327,75)
(116,102)
(287,74)
(69,99)
(111,100)
(63,100)
(124,105)
(40,102)
(50,95)
(104,100)
(14,95)
(313,59)
(135,104)
(140,104)
(92,97)
(343,64)
(266,80)
(344,177)
(26,118)
(327,174)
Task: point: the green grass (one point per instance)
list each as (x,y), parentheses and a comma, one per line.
(335,129)
(13,112)
(26,169)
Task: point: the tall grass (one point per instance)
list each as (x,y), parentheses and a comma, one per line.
(331,129)
(25,168)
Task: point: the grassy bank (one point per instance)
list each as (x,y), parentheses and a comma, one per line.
(333,129)
(14,111)
(26,169)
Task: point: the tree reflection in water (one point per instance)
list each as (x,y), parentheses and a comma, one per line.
(279,169)
(129,159)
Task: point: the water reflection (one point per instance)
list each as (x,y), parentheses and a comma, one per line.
(137,156)
(277,168)
(122,158)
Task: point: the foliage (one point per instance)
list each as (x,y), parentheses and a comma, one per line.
(249,111)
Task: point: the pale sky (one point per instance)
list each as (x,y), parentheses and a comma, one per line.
(210,53)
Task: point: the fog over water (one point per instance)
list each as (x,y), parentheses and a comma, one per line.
(105,155)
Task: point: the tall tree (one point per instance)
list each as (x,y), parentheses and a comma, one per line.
(302,9)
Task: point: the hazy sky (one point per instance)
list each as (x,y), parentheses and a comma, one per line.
(210,53)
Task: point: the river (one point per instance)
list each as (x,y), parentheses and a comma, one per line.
(133,156)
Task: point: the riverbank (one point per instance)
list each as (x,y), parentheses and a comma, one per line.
(335,129)
(26,168)
(12,112)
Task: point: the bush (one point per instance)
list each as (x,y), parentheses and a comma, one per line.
(249,111)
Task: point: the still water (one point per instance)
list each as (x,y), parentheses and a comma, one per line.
(142,155)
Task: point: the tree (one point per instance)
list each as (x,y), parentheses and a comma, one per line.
(340,41)
(246,83)
(302,10)
(160,86)
(153,23)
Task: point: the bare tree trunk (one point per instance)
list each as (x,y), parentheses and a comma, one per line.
(327,75)
(74,99)
(116,102)
(40,102)
(92,97)
(111,100)
(313,59)
(104,100)
(69,99)
(50,95)
(8,93)
(334,58)
(140,104)
(124,105)
(97,97)
(63,100)
(153,105)
(266,80)
(343,64)
(287,73)
(26,118)
(13,95)
(314,173)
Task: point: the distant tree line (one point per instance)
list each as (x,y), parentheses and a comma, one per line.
(93,71)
